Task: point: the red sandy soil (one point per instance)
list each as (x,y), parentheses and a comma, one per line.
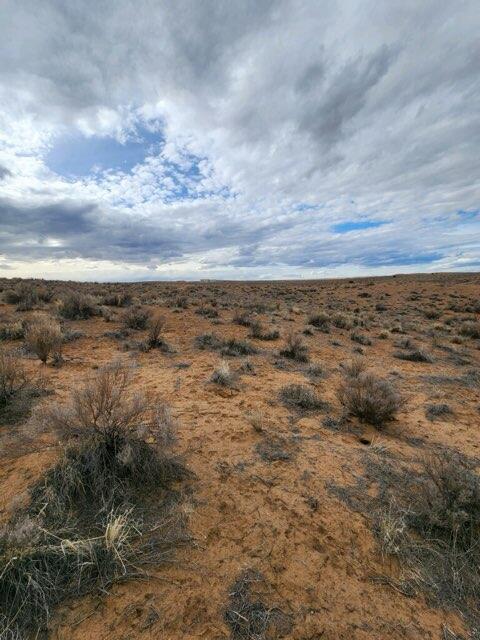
(318,557)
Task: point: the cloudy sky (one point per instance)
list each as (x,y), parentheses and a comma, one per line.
(142,139)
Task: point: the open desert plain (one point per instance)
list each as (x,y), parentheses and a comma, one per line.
(219,460)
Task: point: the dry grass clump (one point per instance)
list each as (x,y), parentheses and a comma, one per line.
(354,367)
(136,318)
(234,347)
(223,375)
(77,534)
(295,348)
(257,419)
(208,341)
(416,355)
(106,458)
(230,347)
(207,312)
(447,506)
(368,397)
(39,569)
(117,299)
(315,371)
(438,411)
(27,296)
(432,526)
(44,338)
(470,329)
(12,331)
(242,318)
(155,340)
(360,338)
(13,377)
(78,306)
(258,332)
(432,314)
(18,390)
(320,321)
(342,321)
(156,326)
(300,396)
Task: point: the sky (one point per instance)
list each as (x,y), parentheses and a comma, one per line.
(248,139)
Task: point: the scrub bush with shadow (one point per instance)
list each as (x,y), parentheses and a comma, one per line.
(428,517)
(104,509)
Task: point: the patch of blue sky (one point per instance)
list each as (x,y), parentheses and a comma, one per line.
(352,225)
(305,206)
(397,258)
(469,215)
(78,156)
(186,181)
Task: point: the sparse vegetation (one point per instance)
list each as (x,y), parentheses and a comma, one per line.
(448,505)
(416,355)
(93,493)
(295,348)
(13,376)
(117,299)
(438,411)
(302,397)
(136,318)
(234,347)
(77,532)
(470,329)
(12,331)
(78,306)
(320,321)
(223,376)
(369,398)
(360,338)
(155,340)
(43,337)
(258,332)
(38,569)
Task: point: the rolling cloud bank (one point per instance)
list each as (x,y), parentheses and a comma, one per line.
(185,139)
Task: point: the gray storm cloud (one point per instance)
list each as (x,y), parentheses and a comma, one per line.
(298,115)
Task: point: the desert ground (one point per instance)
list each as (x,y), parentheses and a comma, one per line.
(307,459)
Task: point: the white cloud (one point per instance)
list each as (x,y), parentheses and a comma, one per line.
(360,109)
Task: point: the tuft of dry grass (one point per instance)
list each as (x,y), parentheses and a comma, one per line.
(155,340)
(295,348)
(78,306)
(369,398)
(470,329)
(13,376)
(136,318)
(78,532)
(321,321)
(416,355)
(259,332)
(39,569)
(223,375)
(302,397)
(448,505)
(12,331)
(247,614)
(107,458)
(44,338)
